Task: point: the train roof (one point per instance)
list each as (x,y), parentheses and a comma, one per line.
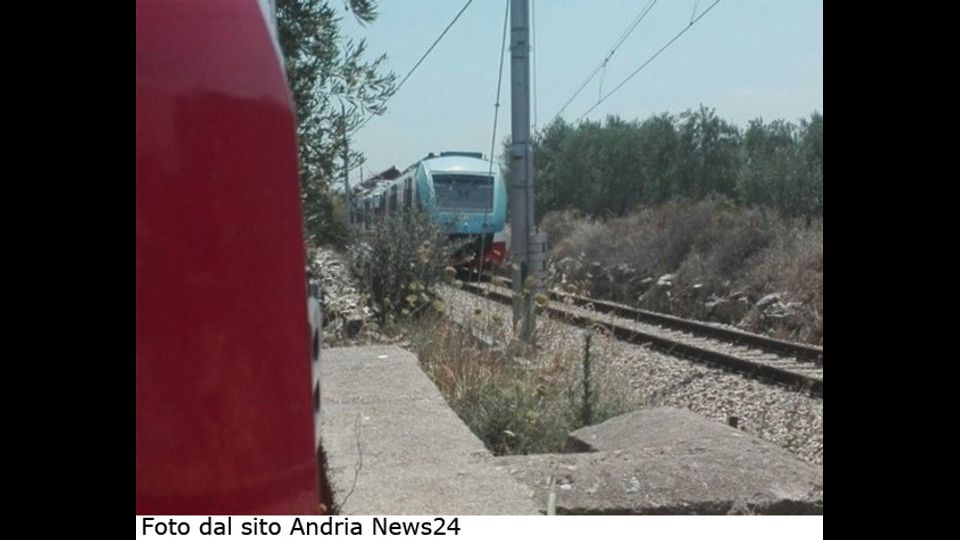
(457,163)
(446,162)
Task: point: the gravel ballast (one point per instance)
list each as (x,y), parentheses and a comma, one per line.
(781,415)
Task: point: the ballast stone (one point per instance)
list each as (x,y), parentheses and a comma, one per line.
(670,461)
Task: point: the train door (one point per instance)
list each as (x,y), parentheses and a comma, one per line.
(393,199)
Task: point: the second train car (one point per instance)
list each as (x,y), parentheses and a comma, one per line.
(461,191)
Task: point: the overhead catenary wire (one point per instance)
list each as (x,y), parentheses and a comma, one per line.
(420,61)
(496,104)
(496,115)
(422,58)
(647,62)
(603,74)
(606,59)
(533,55)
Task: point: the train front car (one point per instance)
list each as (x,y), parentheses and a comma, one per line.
(465,193)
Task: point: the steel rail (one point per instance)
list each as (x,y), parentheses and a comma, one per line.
(806,381)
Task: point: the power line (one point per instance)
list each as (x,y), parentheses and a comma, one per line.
(603,75)
(493,135)
(422,58)
(630,29)
(533,55)
(674,38)
(695,6)
(606,59)
(496,105)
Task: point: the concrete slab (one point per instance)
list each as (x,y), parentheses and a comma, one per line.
(670,461)
(393,446)
(660,427)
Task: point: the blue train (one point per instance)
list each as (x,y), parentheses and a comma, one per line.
(460,190)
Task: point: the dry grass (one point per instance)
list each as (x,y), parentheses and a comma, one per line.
(514,404)
(723,249)
(794,264)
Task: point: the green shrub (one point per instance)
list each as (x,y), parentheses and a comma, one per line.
(399,260)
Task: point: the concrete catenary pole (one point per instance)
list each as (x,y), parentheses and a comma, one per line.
(521,169)
(346,166)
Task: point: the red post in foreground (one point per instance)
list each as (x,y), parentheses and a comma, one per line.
(224,411)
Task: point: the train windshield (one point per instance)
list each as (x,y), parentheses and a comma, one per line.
(464,192)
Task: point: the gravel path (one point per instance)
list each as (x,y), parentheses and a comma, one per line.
(773,412)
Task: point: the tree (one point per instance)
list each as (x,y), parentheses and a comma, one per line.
(768,150)
(608,169)
(811,140)
(658,147)
(623,179)
(783,166)
(708,157)
(335,90)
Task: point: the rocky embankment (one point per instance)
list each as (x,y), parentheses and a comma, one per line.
(769,313)
(346,318)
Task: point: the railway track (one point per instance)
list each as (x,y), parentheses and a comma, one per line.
(794,364)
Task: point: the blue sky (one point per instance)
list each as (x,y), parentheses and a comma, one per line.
(745,58)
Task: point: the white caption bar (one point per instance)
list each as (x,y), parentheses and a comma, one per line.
(485,527)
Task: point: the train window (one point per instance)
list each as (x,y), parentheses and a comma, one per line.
(393,199)
(407,193)
(464,192)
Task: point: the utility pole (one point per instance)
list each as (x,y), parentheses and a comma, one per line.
(521,172)
(346,166)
